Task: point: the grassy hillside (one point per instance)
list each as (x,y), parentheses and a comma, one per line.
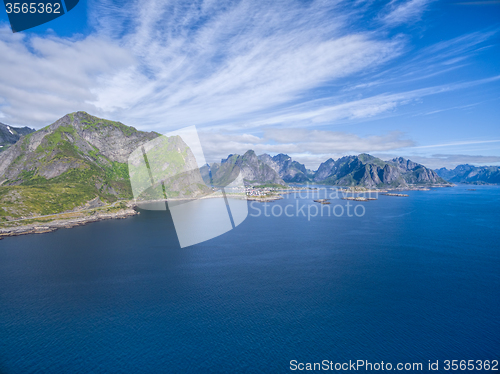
(59,168)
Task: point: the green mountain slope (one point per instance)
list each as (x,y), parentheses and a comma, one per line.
(76,162)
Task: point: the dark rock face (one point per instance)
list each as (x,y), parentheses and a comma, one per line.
(253,170)
(368,171)
(362,170)
(290,171)
(471,174)
(325,170)
(10,135)
(404,164)
(348,171)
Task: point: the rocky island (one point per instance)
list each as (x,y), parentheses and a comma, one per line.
(358,198)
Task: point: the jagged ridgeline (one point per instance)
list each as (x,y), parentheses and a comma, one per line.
(290,171)
(362,170)
(76,162)
(10,135)
(369,171)
(253,171)
(471,174)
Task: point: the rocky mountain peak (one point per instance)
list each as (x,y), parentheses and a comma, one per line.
(369,171)
(10,135)
(70,142)
(405,164)
(80,158)
(253,169)
(471,174)
(290,171)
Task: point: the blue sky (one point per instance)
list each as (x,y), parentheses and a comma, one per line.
(313,79)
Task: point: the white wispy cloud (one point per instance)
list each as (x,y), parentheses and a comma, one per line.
(242,70)
(42,79)
(451,108)
(468,142)
(192,63)
(408,11)
(321,111)
(246,59)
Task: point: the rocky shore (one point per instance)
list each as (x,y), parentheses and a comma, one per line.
(79,219)
(43,224)
(264,199)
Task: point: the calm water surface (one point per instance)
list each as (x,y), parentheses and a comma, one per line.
(414,279)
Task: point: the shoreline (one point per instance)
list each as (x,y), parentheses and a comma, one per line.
(44,224)
(41,227)
(66,220)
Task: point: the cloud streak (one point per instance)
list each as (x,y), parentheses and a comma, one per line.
(44,78)
(242,70)
(409,11)
(167,65)
(199,63)
(458,143)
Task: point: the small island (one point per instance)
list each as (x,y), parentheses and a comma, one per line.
(322,201)
(358,198)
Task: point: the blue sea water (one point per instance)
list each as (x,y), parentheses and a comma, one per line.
(414,279)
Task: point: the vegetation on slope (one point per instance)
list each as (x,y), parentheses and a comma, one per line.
(87,173)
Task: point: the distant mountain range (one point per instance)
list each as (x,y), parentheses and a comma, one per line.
(81,158)
(362,170)
(10,135)
(471,174)
(369,171)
